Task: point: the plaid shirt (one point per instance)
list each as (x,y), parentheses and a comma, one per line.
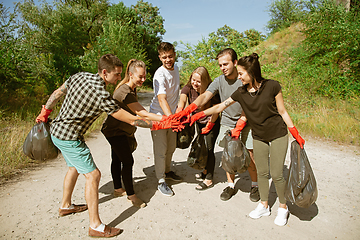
(85,100)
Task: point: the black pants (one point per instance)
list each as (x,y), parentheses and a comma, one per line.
(122,163)
(210,140)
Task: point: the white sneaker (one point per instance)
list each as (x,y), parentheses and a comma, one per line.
(260,211)
(282,215)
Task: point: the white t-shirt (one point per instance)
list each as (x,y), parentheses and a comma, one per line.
(166,82)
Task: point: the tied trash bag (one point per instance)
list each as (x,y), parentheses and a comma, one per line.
(38,144)
(301,187)
(185,137)
(197,158)
(236,157)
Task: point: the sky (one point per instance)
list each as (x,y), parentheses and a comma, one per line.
(191,20)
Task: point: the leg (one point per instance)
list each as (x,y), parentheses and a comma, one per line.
(92,197)
(171,146)
(159,148)
(69,184)
(261,155)
(278,151)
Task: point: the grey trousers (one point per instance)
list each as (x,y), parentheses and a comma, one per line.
(164,145)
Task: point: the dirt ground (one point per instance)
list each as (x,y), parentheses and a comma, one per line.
(29,203)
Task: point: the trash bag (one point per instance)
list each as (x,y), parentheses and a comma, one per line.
(38,144)
(235,157)
(197,158)
(301,187)
(185,137)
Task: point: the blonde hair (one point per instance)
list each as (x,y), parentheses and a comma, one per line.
(131,67)
(205,78)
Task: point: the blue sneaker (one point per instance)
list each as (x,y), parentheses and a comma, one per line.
(164,189)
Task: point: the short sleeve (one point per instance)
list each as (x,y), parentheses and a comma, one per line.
(214,86)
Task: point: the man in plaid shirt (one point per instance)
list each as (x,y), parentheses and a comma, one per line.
(85,99)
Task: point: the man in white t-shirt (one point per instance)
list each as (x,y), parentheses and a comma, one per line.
(166,84)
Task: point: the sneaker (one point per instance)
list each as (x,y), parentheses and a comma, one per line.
(281,218)
(164,189)
(171,175)
(254,194)
(260,211)
(227,193)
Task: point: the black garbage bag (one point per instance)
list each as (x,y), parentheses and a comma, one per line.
(38,144)
(235,157)
(185,137)
(197,158)
(301,187)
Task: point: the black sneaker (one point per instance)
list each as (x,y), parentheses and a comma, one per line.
(254,194)
(227,193)
(171,175)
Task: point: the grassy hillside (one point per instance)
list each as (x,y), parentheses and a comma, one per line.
(323,117)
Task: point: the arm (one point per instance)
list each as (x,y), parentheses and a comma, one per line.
(282,111)
(286,117)
(50,104)
(213,110)
(137,108)
(203,98)
(182,103)
(55,97)
(164,104)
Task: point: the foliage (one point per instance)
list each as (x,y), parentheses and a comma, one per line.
(205,51)
(59,34)
(331,51)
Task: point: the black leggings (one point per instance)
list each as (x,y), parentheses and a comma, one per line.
(210,139)
(122,163)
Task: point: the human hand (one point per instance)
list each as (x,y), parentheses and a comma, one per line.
(294,132)
(44,114)
(235,133)
(196,117)
(186,112)
(207,128)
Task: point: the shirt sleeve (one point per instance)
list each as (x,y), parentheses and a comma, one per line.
(214,86)
(185,90)
(159,83)
(236,95)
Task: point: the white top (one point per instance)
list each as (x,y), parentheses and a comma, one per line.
(166,82)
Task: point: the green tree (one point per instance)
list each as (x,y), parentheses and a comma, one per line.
(60,33)
(283,13)
(205,51)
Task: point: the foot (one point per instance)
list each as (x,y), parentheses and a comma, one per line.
(72,209)
(260,211)
(108,232)
(204,185)
(227,193)
(119,192)
(254,194)
(200,176)
(164,189)
(171,175)
(136,202)
(282,216)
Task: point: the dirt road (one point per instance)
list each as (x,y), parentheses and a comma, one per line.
(29,203)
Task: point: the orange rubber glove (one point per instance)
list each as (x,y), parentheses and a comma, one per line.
(207,128)
(186,112)
(196,117)
(235,133)
(44,114)
(297,136)
(167,123)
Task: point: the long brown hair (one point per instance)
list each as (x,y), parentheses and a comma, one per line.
(131,67)
(205,78)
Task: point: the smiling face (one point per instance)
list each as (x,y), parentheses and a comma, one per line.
(167,59)
(244,75)
(138,77)
(196,82)
(227,66)
(112,77)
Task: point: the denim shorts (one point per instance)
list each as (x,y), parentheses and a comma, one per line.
(246,136)
(76,154)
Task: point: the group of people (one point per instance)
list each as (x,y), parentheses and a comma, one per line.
(240,94)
